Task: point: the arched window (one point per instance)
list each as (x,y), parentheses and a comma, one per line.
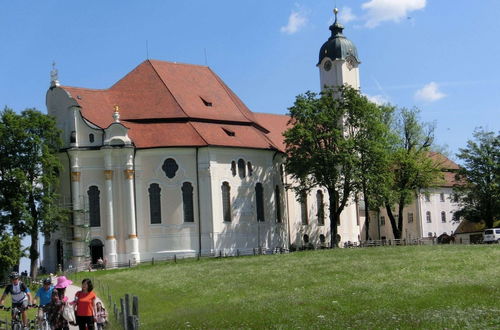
(226,201)
(443,216)
(187,201)
(91,138)
(250,168)
(241,168)
(428,216)
(303,208)
(259,196)
(94,206)
(154,203)
(233,168)
(382,221)
(321,208)
(277,197)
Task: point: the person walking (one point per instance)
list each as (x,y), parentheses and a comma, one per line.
(61,301)
(100,316)
(85,301)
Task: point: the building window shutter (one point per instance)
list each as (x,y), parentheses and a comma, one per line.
(94,206)
(155,203)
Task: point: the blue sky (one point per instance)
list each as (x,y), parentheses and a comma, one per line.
(437,55)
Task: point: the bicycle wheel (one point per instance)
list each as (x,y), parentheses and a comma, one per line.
(17,326)
(45,325)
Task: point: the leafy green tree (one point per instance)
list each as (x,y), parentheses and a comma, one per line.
(478,194)
(10,252)
(374,139)
(28,176)
(323,143)
(412,168)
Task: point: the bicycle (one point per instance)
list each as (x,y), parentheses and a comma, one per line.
(43,323)
(16,322)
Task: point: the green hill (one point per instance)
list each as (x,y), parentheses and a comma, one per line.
(424,287)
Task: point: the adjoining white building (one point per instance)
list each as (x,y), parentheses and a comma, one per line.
(169,160)
(431,213)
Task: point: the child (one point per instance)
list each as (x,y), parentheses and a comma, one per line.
(100,316)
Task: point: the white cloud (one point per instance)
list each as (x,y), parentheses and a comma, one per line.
(390,10)
(377,99)
(346,15)
(429,93)
(296,21)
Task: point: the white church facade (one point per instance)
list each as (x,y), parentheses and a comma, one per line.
(169,160)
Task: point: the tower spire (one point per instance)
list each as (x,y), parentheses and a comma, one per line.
(54,76)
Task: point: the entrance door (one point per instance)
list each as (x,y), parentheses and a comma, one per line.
(96,250)
(59,255)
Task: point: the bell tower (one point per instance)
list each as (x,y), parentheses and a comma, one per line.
(338,59)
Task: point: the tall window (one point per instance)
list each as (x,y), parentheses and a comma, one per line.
(241,168)
(250,169)
(441,197)
(259,196)
(427,197)
(382,221)
(277,197)
(303,208)
(410,217)
(428,216)
(321,208)
(443,216)
(155,203)
(187,201)
(94,206)
(233,168)
(226,202)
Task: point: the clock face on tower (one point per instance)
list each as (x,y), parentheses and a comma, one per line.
(328,65)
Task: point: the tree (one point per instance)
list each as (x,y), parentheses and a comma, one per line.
(10,252)
(412,168)
(322,145)
(374,140)
(29,171)
(478,194)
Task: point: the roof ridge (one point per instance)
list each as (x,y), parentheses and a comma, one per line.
(168,89)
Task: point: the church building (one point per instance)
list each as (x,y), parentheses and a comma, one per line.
(169,160)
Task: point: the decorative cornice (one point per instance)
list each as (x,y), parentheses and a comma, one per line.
(75,176)
(108,174)
(129,174)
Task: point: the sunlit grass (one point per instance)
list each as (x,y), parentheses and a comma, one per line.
(431,287)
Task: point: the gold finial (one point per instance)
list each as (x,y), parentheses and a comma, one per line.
(117,108)
(335,11)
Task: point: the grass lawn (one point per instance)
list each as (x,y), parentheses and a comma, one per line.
(424,287)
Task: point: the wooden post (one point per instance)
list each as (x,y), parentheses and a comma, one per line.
(153,261)
(115,309)
(135,306)
(123,314)
(128,263)
(175,258)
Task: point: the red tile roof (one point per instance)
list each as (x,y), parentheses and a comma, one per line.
(169,104)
